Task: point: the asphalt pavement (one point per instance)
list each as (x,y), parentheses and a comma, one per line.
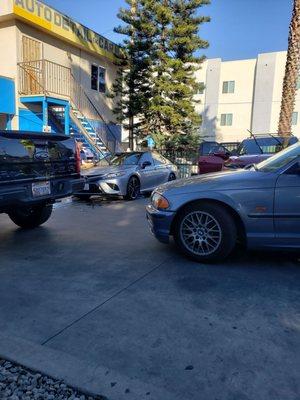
(92,298)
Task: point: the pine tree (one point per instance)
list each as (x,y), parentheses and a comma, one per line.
(172,107)
(159,84)
(131,88)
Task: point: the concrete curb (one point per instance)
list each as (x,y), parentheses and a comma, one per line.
(87,377)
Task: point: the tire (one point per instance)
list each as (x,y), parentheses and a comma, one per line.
(172,177)
(83,197)
(31,217)
(205,232)
(133,188)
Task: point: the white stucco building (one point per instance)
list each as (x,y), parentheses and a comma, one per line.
(243,95)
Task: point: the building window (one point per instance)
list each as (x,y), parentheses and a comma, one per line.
(226,119)
(295,118)
(201,88)
(228,86)
(98,79)
(102,80)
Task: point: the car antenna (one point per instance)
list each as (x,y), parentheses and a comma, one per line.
(253,136)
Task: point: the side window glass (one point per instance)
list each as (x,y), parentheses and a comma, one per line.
(158,159)
(146,157)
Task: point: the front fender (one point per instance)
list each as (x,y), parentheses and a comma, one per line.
(179,201)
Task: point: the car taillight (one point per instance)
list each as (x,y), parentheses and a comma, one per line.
(78,159)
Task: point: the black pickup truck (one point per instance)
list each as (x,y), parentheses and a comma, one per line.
(36,169)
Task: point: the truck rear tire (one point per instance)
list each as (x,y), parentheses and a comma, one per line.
(31,217)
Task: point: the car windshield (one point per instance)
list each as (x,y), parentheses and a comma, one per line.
(279,160)
(126,159)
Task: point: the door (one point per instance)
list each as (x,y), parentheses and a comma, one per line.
(162,171)
(148,173)
(213,161)
(31,67)
(287,207)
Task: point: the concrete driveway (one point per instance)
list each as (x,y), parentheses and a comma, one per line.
(92,298)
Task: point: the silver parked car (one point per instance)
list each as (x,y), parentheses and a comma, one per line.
(128,175)
(207,215)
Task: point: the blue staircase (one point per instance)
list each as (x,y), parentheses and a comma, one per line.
(82,130)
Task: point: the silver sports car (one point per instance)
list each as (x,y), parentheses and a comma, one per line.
(128,175)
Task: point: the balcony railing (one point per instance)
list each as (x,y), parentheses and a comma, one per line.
(46,78)
(38,77)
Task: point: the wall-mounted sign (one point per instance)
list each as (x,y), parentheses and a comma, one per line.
(61,25)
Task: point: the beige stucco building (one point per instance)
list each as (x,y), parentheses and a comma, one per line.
(59,75)
(242,96)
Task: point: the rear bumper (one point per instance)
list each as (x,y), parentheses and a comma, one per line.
(160,223)
(20,194)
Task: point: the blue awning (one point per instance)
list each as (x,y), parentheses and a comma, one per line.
(7,96)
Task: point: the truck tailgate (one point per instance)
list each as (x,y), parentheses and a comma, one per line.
(31,156)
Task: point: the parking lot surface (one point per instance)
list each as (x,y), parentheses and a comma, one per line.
(93,298)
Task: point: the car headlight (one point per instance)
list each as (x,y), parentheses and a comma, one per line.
(114,175)
(159,201)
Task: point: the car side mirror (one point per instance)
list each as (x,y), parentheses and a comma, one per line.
(249,166)
(222,154)
(146,164)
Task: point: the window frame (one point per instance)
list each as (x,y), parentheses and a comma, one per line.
(201,90)
(94,65)
(228,87)
(224,118)
(295,116)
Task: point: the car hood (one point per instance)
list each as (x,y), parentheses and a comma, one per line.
(219,181)
(247,159)
(110,169)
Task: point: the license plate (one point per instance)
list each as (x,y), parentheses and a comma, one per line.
(86,187)
(40,189)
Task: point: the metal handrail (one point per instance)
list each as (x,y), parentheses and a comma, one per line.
(46,77)
(83,103)
(36,87)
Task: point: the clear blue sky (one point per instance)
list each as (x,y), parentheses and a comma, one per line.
(239,28)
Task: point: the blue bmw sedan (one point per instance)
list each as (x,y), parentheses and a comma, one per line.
(208,214)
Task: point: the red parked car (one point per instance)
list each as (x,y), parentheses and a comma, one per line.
(251,151)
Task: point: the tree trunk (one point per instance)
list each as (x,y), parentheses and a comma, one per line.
(291,74)
(131,88)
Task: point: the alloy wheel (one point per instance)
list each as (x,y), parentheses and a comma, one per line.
(200,233)
(133,188)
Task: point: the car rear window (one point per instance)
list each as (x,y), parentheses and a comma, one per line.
(269,145)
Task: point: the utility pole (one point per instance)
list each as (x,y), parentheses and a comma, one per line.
(291,74)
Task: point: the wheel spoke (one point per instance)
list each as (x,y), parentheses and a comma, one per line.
(201,233)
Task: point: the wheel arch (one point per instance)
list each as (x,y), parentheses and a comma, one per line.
(134,175)
(241,229)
